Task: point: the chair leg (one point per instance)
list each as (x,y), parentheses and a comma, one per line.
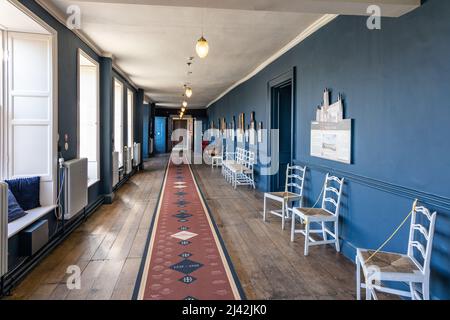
(368,290)
(336,235)
(292,226)
(283,214)
(264,212)
(324,234)
(358,279)
(426,289)
(307,238)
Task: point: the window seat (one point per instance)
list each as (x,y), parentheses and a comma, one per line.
(32,215)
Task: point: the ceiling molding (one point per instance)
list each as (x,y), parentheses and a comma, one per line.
(58,15)
(319,23)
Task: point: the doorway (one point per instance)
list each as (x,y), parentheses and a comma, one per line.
(282,115)
(160,134)
(182,142)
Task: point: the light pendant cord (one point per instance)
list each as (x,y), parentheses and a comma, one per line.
(394,233)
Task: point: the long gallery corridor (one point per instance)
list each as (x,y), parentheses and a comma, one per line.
(246,154)
(110,245)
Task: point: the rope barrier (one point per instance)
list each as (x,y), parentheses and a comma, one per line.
(394,233)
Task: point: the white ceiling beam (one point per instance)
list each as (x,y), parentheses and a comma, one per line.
(389,8)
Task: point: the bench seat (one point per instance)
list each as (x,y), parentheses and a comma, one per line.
(32,215)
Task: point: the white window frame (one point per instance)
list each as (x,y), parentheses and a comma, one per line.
(119,135)
(5,139)
(97,67)
(3,131)
(130,118)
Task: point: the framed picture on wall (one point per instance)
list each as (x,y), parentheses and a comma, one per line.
(252,129)
(241,127)
(223,125)
(247,134)
(233,128)
(260,132)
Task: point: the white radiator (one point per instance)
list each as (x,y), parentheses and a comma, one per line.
(75,187)
(115,168)
(137,154)
(128,161)
(3,228)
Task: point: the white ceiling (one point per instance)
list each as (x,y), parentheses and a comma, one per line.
(151,43)
(13,19)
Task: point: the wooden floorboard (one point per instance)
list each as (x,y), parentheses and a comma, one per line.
(110,245)
(268,264)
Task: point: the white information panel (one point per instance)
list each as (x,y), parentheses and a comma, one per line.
(332,140)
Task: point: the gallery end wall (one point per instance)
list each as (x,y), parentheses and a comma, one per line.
(395,86)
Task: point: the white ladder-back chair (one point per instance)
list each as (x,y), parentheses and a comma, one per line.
(381,266)
(217,158)
(295,179)
(328,213)
(242,172)
(230,159)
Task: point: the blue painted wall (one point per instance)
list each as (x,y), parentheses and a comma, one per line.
(395,84)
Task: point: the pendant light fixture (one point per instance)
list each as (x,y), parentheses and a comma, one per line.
(202,47)
(183,109)
(188,91)
(185,104)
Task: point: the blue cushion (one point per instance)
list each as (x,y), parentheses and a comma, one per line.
(14,210)
(26,191)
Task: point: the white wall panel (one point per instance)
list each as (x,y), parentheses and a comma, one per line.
(31,108)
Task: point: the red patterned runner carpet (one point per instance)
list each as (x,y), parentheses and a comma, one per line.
(185,259)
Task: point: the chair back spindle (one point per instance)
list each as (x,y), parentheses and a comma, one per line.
(421,237)
(332,192)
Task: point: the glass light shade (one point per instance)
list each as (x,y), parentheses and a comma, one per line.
(202,47)
(183,110)
(188,92)
(185,104)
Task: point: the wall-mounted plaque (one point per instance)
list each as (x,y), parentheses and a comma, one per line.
(331,134)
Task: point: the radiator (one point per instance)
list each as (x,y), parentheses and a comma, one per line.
(128,161)
(150,146)
(137,154)
(75,187)
(3,228)
(115,168)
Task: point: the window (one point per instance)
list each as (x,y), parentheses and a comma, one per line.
(27,131)
(130,114)
(118,120)
(88,114)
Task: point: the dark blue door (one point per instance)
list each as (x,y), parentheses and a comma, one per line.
(281,119)
(160,134)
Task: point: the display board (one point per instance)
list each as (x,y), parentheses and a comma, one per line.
(332,140)
(331,134)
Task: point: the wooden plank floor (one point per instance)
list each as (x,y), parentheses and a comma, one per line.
(109,247)
(268,264)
